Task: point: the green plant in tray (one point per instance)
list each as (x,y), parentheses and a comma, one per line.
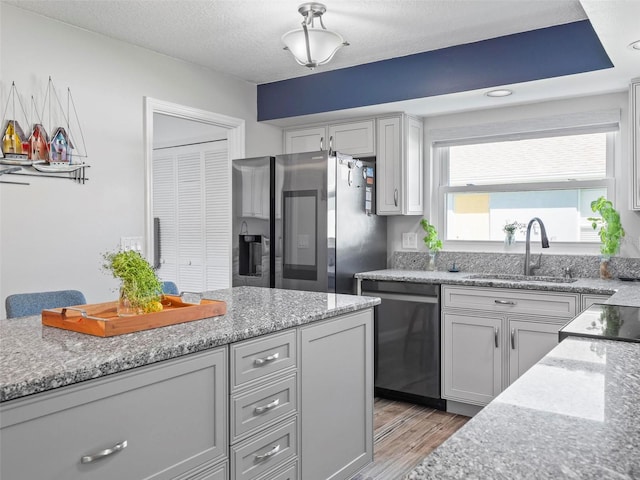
(140,284)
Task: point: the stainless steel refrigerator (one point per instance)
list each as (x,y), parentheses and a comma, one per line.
(305,221)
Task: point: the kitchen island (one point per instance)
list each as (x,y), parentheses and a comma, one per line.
(279,385)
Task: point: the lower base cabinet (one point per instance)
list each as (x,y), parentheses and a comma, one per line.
(162,421)
(472,360)
(285,406)
(336,396)
(492,336)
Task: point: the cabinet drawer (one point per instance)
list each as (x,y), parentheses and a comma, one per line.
(264,452)
(547,304)
(253,360)
(261,406)
(172,416)
(289,472)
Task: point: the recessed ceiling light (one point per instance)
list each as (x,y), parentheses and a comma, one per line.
(503,92)
(635,45)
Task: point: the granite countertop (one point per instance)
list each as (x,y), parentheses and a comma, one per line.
(35,358)
(624,293)
(573,415)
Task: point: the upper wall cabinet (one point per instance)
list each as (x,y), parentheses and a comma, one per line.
(353,138)
(308,139)
(399,166)
(634,127)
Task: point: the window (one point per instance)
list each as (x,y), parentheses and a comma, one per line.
(487,182)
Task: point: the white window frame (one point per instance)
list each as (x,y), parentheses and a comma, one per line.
(573,124)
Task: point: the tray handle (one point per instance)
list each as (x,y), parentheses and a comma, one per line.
(82,312)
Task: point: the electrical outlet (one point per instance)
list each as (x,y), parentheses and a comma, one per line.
(131,243)
(410,240)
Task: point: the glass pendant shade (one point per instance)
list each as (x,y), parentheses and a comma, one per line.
(323,44)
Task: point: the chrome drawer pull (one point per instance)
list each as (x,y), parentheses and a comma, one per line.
(269,406)
(506,302)
(270,453)
(104,453)
(270,358)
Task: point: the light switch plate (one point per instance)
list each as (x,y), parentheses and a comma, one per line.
(410,240)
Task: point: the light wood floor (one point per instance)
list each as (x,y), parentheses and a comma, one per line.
(404,434)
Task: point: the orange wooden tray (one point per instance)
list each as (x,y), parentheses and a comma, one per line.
(102,320)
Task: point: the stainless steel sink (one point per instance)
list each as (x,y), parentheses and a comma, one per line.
(520,278)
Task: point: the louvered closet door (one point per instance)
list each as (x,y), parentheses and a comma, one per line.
(190,190)
(164,208)
(192,200)
(217,219)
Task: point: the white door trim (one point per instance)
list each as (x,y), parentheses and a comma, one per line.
(235,147)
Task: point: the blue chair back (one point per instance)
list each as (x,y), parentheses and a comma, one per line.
(24,304)
(170,288)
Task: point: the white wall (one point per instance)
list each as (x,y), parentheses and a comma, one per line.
(53,232)
(630,219)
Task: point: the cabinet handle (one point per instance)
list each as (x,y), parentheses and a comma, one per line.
(270,453)
(104,453)
(270,358)
(321,143)
(269,406)
(395,197)
(513,339)
(506,302)
(495,336)
(331,145)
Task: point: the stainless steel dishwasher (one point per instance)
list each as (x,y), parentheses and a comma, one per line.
(407,341)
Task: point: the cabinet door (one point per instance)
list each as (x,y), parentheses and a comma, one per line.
(590,299)
(529,342)
(413,194)
(337,396)
(634,133)
(389,171)
(172,416)
(472,358)
(305,140)
(356,138)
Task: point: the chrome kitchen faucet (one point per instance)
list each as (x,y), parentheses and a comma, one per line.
(528,267)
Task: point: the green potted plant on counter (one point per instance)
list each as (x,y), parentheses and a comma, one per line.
(432,242)
(140,288)
(610,232)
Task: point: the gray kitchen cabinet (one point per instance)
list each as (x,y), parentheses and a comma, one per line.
(494,335)
(529,341)
(264,405)
(399,170)
(588,299)
(162,421)
(634,134)
(336,412)
(472,358)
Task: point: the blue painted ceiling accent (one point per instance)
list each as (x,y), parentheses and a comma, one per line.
(522,57)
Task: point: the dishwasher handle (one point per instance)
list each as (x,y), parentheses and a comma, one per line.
(399,296)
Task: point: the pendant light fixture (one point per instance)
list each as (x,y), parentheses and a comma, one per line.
(309,45)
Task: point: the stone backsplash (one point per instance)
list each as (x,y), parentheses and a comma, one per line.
(582,266)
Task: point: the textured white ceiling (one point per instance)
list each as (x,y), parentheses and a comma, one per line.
(242,37)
